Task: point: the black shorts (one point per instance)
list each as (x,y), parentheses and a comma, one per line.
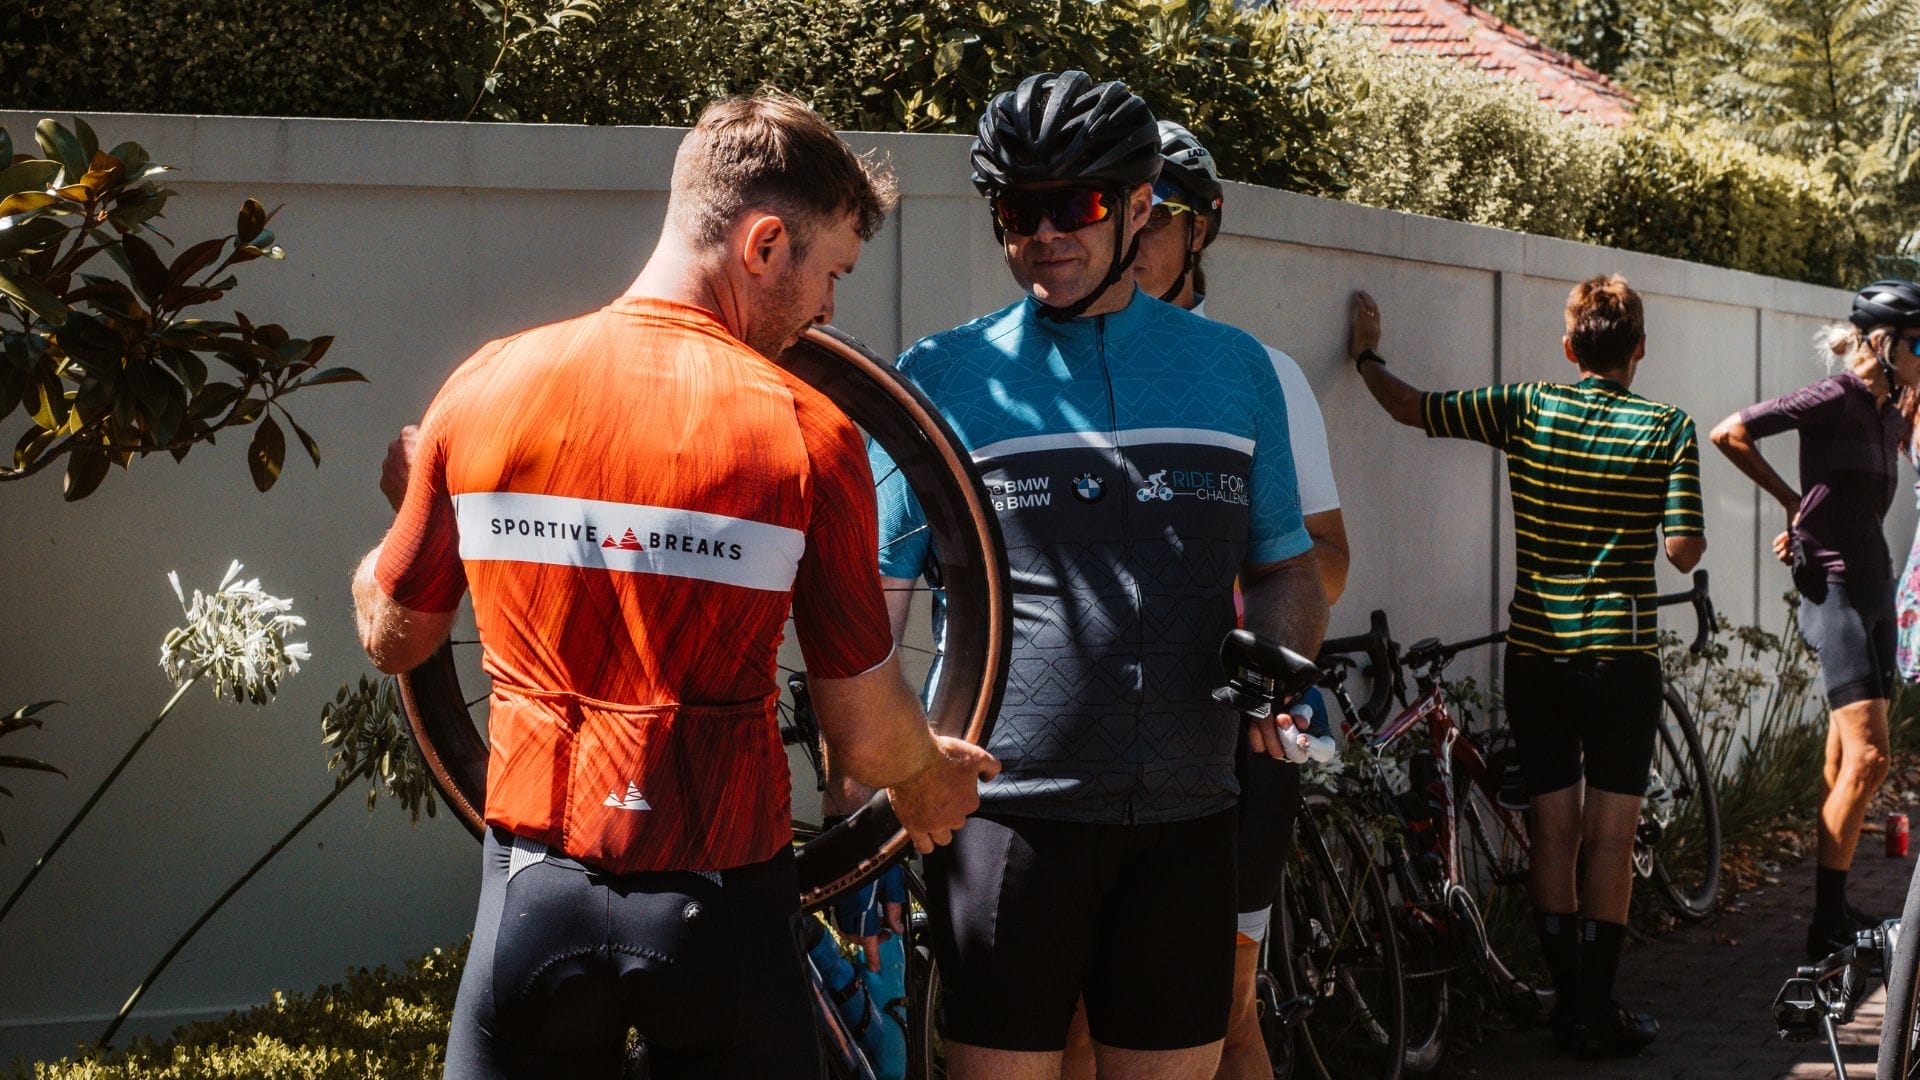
(565,959)
(1584,716)
(1030,914)
(1853,629)
(1269,805)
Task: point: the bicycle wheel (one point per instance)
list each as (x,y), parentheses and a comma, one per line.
(1339,949)
(1426,963)
(1492,914)
(1680,820)
(970,569)
(1900,1030)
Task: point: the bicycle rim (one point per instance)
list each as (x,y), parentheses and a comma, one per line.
(1341,950)
(1426,962)
(1686,861)
(967,552)
(1493,877)
(1900,1031)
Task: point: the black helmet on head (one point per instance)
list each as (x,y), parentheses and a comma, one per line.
(1887,303)
(1190,167)
(1065,127)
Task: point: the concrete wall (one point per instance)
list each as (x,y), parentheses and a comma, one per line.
(416,243)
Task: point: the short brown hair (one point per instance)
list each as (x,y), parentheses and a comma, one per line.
(1605,322)
(772,152)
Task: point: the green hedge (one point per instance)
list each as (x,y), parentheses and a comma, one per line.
(377,1025)
(1282,98)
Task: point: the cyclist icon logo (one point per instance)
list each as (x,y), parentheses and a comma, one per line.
(1156,488)
(1088,488)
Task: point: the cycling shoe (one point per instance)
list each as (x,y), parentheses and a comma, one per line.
(1619,1033)
(1828,936)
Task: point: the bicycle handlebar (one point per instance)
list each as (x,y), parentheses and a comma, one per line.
(1380,650)
(1702,610)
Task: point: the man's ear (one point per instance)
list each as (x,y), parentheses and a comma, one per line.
(1640,349)
(1140,204)
(1566,346)
(765,244)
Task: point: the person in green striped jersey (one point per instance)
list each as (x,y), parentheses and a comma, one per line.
(1594,471)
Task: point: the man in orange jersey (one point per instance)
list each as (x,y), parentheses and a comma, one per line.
(635,498)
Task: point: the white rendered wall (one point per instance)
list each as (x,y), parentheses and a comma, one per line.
(414,244)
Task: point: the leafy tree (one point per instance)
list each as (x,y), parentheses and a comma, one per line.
(105,369)
(1821,76)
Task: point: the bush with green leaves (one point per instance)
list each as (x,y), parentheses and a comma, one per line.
(1282,98)
(376,1025)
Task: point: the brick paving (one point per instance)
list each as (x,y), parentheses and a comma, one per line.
(1712,986)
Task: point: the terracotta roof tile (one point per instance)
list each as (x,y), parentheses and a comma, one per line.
(1458,30)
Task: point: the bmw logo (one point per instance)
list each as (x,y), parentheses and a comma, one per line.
(1088,488)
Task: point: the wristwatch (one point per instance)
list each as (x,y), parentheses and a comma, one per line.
(1365,355)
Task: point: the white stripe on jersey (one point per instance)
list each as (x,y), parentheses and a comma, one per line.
(511,526)
(1107,440)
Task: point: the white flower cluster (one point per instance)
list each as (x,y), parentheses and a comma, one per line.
(236,636)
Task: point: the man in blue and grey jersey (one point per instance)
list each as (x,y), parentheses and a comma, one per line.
(1138,456)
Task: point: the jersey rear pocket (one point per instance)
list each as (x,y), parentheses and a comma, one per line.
(630,787)
(675,787)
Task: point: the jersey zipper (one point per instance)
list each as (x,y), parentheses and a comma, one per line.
(1126,532)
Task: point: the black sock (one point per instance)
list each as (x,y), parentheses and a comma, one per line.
(1599,961)
(1560,945)
(1829,894)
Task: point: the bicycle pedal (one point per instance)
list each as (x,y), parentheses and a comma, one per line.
(1797,1010)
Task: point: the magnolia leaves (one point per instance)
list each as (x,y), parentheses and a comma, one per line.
(106,367)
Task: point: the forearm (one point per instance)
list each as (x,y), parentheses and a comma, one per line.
(1396,395)
(1731,438)
(397,639)
(873,730)
(1286,603)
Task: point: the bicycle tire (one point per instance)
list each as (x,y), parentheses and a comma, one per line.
(1900,1028)
(1494,865)
(1678,754)
(1426,966)
(1340,949)
(967,550)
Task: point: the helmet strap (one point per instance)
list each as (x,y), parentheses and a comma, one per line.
(1186,267)
(1114,272)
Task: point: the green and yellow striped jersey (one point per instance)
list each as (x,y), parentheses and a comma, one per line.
(1593,469)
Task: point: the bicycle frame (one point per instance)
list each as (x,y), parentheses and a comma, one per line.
(1459,761)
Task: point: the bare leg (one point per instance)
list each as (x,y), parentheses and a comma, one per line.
(1192,1063)
(1245,1055)
(1078,1063)
(1860,732)
(1606,849)
(1554,828)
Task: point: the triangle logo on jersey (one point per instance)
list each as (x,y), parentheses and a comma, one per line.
(633,801)
(628,542)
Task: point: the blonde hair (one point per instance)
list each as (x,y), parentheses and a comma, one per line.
(1836,345)
(772,152)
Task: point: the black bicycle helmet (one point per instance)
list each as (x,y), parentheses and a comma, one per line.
(1887,303)
(1891,302)
(1188,164)
(1065,127)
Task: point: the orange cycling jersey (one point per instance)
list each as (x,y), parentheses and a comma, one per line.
(636,498)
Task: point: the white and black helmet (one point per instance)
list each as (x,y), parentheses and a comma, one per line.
(1065,127)
(1189,166)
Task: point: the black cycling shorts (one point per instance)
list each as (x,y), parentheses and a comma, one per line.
(566,958)
(1586,716)
(1030,914)
(1269,805)
(1853,629)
